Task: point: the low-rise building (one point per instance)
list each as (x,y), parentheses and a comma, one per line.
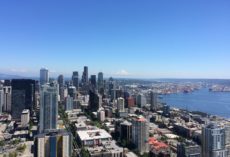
(93,137)
(25,118)
(107,149)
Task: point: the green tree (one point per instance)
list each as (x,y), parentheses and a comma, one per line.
(16,141)
(84,152)
(14,154)
(21,148)
(2,143)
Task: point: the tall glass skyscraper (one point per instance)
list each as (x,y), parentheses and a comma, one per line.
(57,143)
(44,76)
(93,81)
(140,134)
(75,79)
(100,81)
(7,97)
(213,141)
(153,100)
(1,100)
(48,107)
(61,87)
(23,93)
(85,75)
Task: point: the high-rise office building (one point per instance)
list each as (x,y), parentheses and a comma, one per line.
(126,132)
(188,149)
(44,76)
(53,144)
(140,134)
(72,92)
(1,99)
(111,88)
(25,118)
(23,94)
(7,92)
(227,139)
(101,115)
(85,75)
(61,87)
(69,103)
(153,100)
(93,101)
(48,107)
(75,79)
(126,97)
(121,104)
(131,102)
(166,111)
(93,81)
(141,100)
(100,82)
(61,80)
(213,141)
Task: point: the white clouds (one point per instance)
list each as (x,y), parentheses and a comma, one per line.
(123,73)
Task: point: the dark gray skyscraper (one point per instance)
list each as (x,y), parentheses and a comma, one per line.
(61,80)
(75,79)
(153,100)
(48,107)
(1,99)
(72,92)
(140,134)
(7,90)
(93,101)
(23,93)
(61,86)
(111,87)
(85,75)
(44,76)
(93,81)
(213,141)
(100,81)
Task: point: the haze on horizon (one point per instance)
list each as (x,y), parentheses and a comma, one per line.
(132,38)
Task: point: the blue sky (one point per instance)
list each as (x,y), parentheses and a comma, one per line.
(122,38)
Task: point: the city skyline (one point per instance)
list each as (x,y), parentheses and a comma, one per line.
(128,39)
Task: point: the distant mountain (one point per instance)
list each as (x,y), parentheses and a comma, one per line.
(8,76)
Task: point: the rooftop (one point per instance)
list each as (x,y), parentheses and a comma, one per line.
(107,147)
(93,134)
(130,154)
(156,144)
(25,111)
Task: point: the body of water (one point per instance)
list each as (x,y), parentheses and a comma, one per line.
(215,103)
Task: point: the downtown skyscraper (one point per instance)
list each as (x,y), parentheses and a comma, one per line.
(93,81)
(23,93)
(61,87)
(1,100)
(7,98)
(100,80)
(140,134)
(44,76)
(213,141)
(153,101)
(85,76)
(56,143)
(75,79)
(48,107)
